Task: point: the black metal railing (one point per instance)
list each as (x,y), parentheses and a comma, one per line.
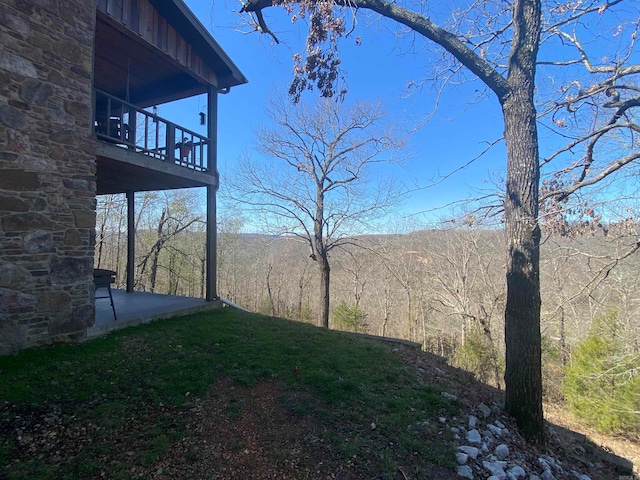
(123,124)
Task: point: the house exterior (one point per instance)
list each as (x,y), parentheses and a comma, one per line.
(78,80)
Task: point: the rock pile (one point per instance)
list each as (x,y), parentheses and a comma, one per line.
(491,450)
(488,441)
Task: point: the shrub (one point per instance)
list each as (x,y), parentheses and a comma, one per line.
(307,314)
(265,307)
(350,317)
(475,356)
(552,370)
(601,383)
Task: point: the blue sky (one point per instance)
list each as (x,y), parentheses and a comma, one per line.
(460,130)
(375,71)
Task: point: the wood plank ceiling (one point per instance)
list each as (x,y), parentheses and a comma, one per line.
(133,70)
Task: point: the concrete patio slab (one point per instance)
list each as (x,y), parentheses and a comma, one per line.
(134,308)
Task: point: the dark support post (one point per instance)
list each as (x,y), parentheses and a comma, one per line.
(211,293)
(212,166)
(131,240)
(171,143)
(129,131)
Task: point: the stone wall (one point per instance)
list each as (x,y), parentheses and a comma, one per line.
(47,172)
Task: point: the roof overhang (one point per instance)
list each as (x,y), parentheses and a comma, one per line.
(184,20)
(128,66)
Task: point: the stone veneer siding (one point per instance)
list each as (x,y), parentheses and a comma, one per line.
(47,172)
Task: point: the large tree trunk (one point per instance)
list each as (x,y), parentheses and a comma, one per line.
(321,255)
(523,376)
(325,273)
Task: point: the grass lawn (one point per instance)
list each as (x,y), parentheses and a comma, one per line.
(141,403)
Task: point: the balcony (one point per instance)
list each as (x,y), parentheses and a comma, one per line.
(138,130)
(133,139)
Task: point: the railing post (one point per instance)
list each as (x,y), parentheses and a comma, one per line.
(171,143)
(133,127)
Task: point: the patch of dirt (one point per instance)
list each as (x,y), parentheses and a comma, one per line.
(241,432)
(44,431)
(563,420)
(244,432)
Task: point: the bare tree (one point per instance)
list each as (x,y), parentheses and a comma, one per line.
(315,178)
(178,214)
(595,107)
(109,221)
(465,272)
(357,267)
(498,43)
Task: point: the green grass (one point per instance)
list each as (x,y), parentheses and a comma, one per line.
(154,370)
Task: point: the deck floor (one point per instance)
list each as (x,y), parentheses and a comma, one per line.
(133,308)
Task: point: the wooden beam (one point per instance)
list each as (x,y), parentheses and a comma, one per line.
(120,170)
(212,163)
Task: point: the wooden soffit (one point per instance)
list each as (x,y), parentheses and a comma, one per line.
(153,51)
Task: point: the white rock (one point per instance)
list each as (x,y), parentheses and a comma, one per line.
(493,477)
(547,475)
(454,430)
(471,451)
(486,411)
(544,464)
(462,458)
(449,396)
(516,473)
(497,431)
(499,424)
(484,448)
(534,477)
(496,468)
(550,460)
(465,471)
(581,477)
(473,437)
(488,437)
(502,451)
(442,420)
(472,421)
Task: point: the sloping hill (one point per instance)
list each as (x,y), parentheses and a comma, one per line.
(234,395)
